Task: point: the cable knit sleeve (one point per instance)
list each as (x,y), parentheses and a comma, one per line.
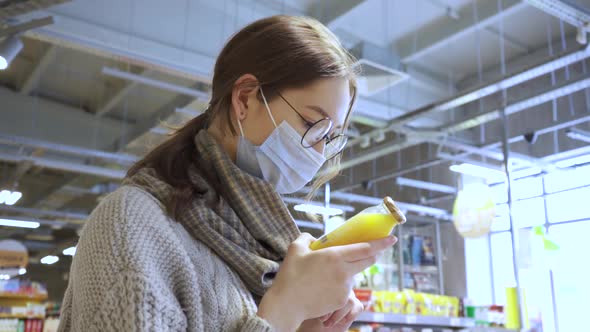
(134,303)
(132,273)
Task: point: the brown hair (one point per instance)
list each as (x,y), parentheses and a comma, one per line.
(281,52)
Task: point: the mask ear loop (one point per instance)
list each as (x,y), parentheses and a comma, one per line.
(267,107)
(240,126)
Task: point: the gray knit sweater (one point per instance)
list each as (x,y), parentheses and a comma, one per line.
(135,269)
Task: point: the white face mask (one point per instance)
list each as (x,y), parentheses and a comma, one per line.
(281,160)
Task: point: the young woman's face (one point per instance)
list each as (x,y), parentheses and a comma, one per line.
(325,98)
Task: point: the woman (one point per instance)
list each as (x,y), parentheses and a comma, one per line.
(194,238)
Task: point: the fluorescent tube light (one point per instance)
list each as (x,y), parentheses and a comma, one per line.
(19,223)
(317,209)
(13,198)
(426,185)
(584,159)
(71,251)
(49,259)
(489,174)
(4,195)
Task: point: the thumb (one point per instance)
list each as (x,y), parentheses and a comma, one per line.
(302,243)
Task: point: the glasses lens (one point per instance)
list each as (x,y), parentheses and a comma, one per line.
(335,146)
(316,133)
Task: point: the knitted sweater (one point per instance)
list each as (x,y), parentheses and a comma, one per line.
(135,269)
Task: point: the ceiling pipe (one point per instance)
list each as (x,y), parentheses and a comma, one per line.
(43,213)
(295,200)
(200,95)
(368,200)
(407,182)
(471,95)
(53,223)
(121,158)
(117,174)
(440,137)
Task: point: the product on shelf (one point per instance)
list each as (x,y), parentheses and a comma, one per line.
(409,302)
(26,288)
(21,325)
(366,298)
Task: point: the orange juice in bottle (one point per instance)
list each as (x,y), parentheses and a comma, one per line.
(370,224)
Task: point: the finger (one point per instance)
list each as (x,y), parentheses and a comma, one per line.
(339,314)
(361,265)
(302,242)
(325,317)
(360,251)
(352,315)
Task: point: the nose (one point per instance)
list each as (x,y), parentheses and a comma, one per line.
(320,146)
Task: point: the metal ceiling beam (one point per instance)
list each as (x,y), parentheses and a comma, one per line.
(437,135)
(121,158)
(368,200)
(12,182)
(38,213)
(33,78)
(567,11)
(118,97)
(28,116)
(75,33)
(23,27)
(509,40)
(117,174)
(407,182)
(442,33)
(332,13)
(544,67)
(516,137)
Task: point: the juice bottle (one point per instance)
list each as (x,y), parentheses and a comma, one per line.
(370,224)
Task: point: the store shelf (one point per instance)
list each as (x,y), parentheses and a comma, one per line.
(14,296)
(430,269)
(415,320)
(427,269)
(17,316)
(490,329)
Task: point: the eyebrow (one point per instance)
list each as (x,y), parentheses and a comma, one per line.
(323,113)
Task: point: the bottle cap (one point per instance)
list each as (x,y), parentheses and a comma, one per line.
(394,210)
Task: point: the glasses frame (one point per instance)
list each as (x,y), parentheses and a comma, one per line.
(326,138)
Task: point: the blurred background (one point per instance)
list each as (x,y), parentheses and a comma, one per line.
(474,115)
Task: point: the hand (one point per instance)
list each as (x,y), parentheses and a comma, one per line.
(341,319)
(338,321)
(312,284)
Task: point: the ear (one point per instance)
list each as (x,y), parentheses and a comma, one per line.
(243,96)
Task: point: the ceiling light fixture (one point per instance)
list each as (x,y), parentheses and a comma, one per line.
(71,251)
(491,175)
(401,181)
(19,223)
(10,197)
(9,49)
(575,161)
(310,208)
(49,259)
(578,134)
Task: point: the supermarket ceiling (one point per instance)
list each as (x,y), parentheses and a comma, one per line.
(86,95)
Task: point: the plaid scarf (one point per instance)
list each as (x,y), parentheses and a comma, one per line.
(247,224)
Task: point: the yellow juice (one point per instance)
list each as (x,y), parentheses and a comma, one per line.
(371,224)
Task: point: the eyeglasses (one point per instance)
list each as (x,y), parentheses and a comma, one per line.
(318,131)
